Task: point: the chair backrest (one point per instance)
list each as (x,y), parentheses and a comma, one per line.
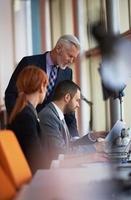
(7,189)
(13,160)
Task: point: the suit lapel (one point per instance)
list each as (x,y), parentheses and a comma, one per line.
(65,131)
(43,62)
(60,76)
(51,106)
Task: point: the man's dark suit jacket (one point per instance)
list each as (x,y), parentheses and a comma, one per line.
(27,130)
(40,61)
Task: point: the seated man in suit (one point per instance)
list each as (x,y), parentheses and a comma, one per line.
(56,138)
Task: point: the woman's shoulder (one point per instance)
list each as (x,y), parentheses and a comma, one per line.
(25,114)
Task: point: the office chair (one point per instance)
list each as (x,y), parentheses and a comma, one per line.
(7,189)
(13,160)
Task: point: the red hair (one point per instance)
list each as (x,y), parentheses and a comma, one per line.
(28,82)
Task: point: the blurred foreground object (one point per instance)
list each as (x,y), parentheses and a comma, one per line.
(115,65)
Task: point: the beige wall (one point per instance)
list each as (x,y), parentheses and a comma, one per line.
(6,45)
(99,112)
(99,106)
(124,15)
(61,19)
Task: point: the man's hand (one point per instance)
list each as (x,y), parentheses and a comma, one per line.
(98,134)
(100,157)
(100,146)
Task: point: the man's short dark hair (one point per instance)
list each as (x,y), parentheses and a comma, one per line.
(65,87)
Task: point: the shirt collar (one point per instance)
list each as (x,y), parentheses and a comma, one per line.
(49,60)
(60,113)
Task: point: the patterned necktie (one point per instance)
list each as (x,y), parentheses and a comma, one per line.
(52,79)
(67,134)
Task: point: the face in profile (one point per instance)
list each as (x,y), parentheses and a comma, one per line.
(66,56)
(73,103)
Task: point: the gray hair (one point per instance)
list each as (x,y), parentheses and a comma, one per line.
(69,39)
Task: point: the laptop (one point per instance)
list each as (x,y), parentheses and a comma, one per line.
(120,152)
(117,151)
(115,131)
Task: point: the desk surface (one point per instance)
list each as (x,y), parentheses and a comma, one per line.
(90,182)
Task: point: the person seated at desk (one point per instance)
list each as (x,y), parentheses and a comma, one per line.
(23,121)
(56,138)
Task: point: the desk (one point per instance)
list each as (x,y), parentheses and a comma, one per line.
(88,182)
(70,184)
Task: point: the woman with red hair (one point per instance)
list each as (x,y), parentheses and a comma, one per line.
(31,85)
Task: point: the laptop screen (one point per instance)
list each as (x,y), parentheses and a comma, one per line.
(115,131)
